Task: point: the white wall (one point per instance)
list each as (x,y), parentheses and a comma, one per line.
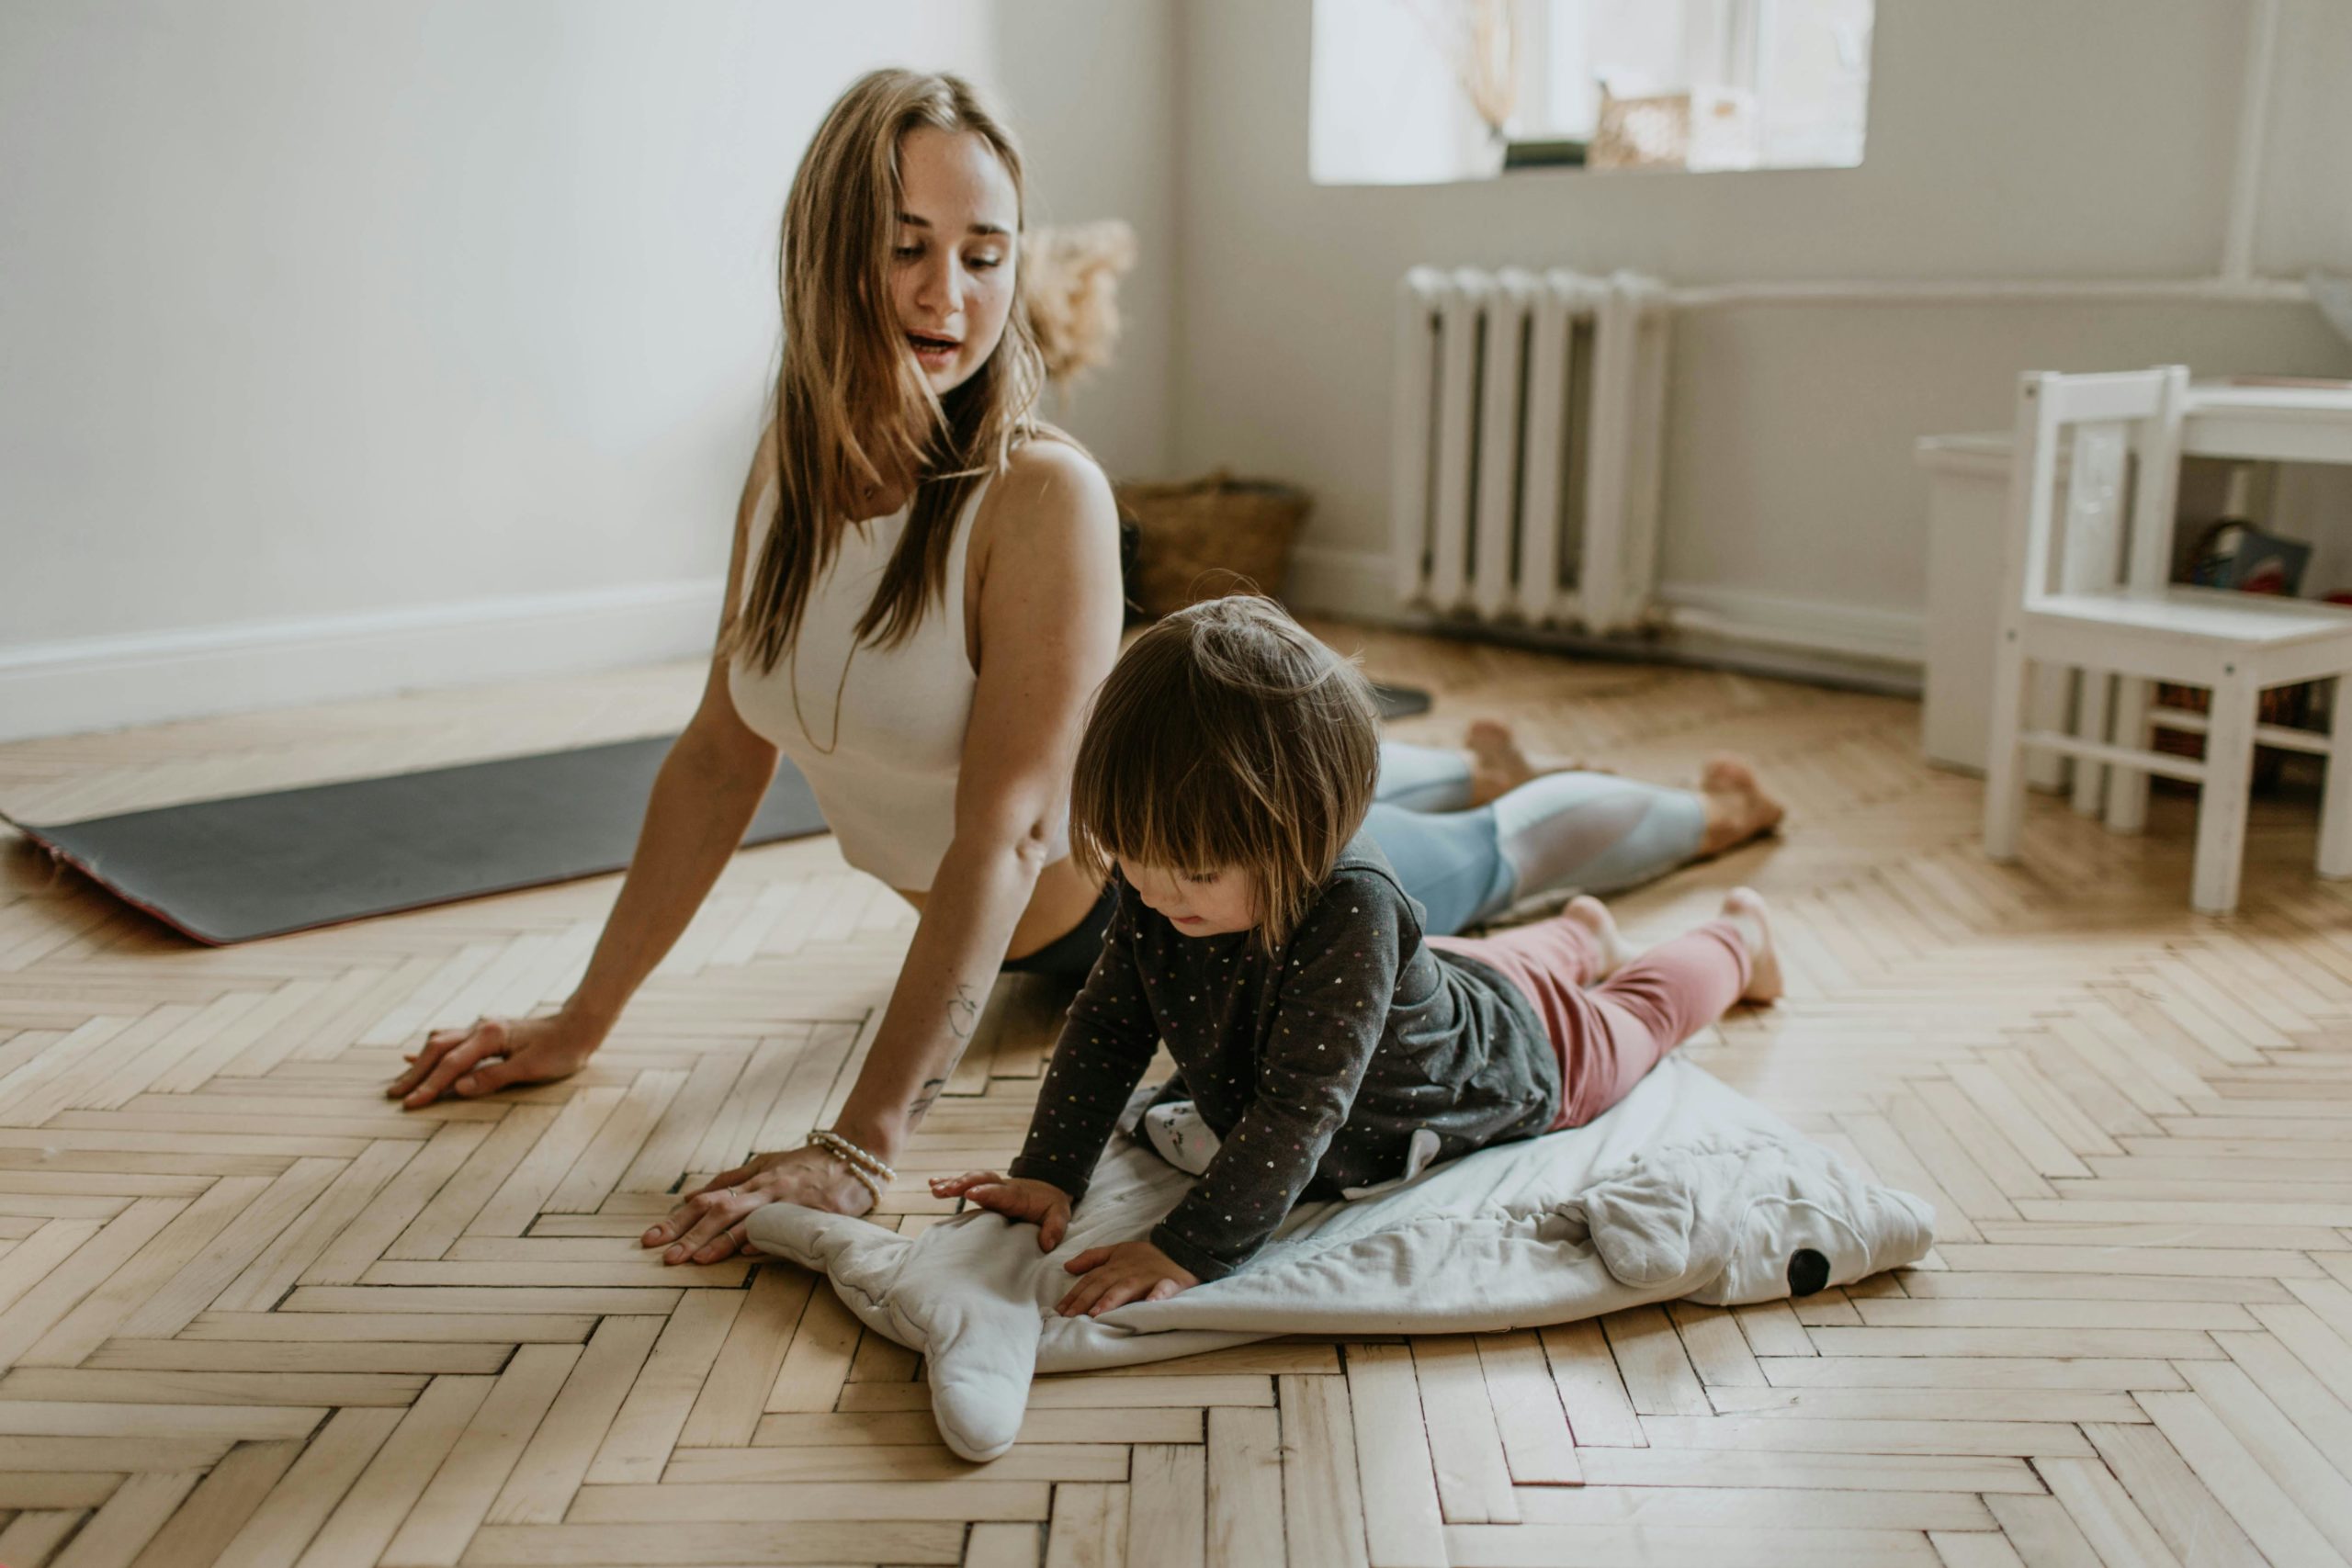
(2007,139)
(1091,86)
(410,341)
(350,346)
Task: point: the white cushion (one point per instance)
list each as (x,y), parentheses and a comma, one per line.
(1687,1189)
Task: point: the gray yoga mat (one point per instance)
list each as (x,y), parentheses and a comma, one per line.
(257,865)
(1399,701)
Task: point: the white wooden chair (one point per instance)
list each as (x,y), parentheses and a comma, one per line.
(2114,612)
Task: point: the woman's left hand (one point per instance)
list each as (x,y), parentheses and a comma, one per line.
(708,1226)
(1131,1272)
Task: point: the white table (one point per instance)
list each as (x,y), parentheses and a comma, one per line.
(2287,424)
(1967,521)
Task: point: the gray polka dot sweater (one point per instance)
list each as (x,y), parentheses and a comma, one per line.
(1314,1067)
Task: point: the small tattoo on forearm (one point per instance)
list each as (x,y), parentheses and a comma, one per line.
(926,1095)
(963,1017)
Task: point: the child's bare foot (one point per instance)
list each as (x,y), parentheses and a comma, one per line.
(1499,765)
(1601,927)
(1737,807)
(1746,909)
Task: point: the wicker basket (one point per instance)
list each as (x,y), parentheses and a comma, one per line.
(1209,536)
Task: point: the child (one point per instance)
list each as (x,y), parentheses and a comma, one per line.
(1222,784)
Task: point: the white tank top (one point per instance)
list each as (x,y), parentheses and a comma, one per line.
(883,763)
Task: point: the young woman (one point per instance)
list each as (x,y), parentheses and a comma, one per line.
(1321,1041)
(924,591)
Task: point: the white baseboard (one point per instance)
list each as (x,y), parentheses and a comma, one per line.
(67,687)
(1812,639)
(1809,625)
(70,686)
(1359,585)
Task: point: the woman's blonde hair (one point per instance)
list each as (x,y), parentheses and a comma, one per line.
(1229,736)
(853,409)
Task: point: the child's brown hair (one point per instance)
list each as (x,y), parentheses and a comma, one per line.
(1229,736)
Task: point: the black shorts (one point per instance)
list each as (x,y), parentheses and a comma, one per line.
(1071,956)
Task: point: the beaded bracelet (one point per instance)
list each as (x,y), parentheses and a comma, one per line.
(870,1173)
(825,1137)
(862,1177)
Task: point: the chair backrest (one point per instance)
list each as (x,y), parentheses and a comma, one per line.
(2112,418)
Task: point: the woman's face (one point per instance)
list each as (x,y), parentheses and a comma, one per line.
(1211,903)
(957,247)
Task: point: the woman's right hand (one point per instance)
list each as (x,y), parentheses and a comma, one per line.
(491,1053)
(1041,1204)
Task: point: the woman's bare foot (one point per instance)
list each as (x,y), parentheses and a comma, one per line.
(1499,765)
(1737,807)
(1601,927)
(1746,909)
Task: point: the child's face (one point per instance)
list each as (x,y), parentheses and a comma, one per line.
(1196,903)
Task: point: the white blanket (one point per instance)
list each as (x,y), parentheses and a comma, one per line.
(1687,1189)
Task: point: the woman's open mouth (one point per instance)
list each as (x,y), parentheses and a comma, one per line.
(933,353)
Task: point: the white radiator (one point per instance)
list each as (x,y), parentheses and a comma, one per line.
(1530,411)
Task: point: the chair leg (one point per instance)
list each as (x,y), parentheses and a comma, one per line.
(2336,797)
(2050,704)
(2127,788)
(2004,759)
(2221,805)
(2091,724)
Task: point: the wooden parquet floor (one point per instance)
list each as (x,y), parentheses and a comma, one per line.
(253,1314)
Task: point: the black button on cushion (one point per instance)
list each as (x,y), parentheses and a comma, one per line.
(1808,1271)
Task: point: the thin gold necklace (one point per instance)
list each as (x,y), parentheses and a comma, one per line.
(840,686)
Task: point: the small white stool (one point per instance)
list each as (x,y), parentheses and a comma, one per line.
(2135,625)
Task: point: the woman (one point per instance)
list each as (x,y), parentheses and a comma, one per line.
(923,593)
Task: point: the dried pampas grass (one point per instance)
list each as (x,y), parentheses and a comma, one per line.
(1071,282)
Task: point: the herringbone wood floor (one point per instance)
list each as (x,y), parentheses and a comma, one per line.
(253,1314)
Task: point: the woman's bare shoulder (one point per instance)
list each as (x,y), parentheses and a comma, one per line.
(1050,490)
(1051,461)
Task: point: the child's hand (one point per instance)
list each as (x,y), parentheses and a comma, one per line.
(1041,1204)
(1131,1272)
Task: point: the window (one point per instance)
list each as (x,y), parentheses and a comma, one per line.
(1421,91)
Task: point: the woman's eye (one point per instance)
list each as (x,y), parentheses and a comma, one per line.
(907,253)
(985,264)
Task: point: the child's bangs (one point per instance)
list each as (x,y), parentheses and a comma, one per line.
(1187,819)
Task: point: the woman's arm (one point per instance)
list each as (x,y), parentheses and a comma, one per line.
(709,787)
(1050,606)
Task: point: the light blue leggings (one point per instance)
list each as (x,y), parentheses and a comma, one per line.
(1584,832)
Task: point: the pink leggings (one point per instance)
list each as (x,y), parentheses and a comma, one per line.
(1610,1036)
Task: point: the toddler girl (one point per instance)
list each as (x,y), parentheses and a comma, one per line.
(1222,784)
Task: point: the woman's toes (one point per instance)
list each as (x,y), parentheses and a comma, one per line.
(1498,766)
(1491,737)
(1499,763)
(1738,807)
(1727,774)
